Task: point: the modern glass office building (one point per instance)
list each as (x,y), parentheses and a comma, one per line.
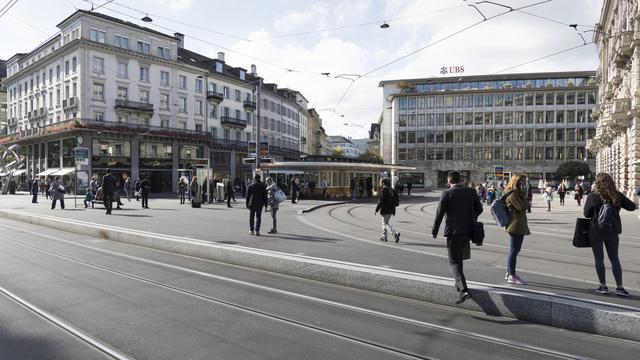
(528,123)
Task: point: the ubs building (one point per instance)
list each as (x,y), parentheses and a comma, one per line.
(481,125)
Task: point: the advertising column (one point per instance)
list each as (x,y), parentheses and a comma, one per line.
(82,171)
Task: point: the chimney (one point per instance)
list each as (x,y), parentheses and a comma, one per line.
(180,38)
(253,70)
(221,56)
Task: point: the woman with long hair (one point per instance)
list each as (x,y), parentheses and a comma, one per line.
(606,193)
(516,199)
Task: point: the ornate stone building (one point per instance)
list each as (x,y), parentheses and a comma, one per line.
(617,142)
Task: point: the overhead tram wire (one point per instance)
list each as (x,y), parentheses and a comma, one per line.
(7,7)
(545,57)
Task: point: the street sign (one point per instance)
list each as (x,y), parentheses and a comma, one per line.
(499,172)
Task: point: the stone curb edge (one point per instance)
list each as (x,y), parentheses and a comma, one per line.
(316,207)
(559,311)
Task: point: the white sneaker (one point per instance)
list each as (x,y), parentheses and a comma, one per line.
(515,279)
(506,276)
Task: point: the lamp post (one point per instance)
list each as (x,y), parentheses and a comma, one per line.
(258,123)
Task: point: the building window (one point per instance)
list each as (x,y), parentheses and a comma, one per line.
(225,91)
(98,65)
(123,70)
(237,95)
(97,35)
(144,74)
(164,52)
(144,47)
(123,93)
(198,107)
(121,41)
(164,78)
(74,65)
(182,104)
(144,96)
(198,86)
(123,118)
(182,82)
(57,74)
(66,70)
(98,92)
(213,111)
(164,101)
(199,127)
(98,116)
(164,123)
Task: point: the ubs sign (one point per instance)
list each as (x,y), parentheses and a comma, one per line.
(452,70)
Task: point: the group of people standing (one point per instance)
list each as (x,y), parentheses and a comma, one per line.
(460,207)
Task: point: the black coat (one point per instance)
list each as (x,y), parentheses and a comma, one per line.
(145,186)
(256,195)
(462,207)
(592,208)
(108,184)
(385,203)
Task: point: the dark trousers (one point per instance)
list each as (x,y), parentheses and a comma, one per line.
(34,199)
(145,200)
(455,246)
(181,196)
(53,204)
(107,199)
(257,214)
(611,244)
(561,199)
(515,244)
(228,198)
(324,194)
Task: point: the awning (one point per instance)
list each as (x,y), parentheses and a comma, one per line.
(19,172)
(64,171)
(47,172)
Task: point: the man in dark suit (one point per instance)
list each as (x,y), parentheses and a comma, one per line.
(256,200)
(34,190)
(108,190)
(462,207)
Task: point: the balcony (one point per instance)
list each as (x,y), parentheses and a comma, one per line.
(70,103)
(230,121)
(134,105)
(249,105)
(215,96)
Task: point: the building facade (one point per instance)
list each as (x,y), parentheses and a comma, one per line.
(348,148)
(142,104)
(529,123)
(617,139)
(3,98)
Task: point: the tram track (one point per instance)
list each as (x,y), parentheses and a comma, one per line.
(389,349)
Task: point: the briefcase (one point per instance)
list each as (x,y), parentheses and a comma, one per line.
(478,233)
(581,233)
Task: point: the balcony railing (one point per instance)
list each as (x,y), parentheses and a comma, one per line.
(238,144)
(249,105)
(70,103)
(215,96)
(134,105)
(230,121)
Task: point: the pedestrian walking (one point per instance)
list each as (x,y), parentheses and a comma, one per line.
(34,191)
(128,188)
(579,192)
(194,190)
(530,196)
(295,190)
(517,228)
(547,196)
(409,187)
(352,187)
(57,193)
(228,190)
(182,184)
(461,206)
(108,190)
(562,192)
(145,189)
(491,193)
(273,202)
(256,200)
(324,184)
(47,189)
(603,208)
(137,188)
(387,207)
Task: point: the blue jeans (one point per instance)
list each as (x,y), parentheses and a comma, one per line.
(515,244)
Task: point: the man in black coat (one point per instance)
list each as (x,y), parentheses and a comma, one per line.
(256,200)
(145,189)
(387,208)
(462,207)
(34,190)
(108,190)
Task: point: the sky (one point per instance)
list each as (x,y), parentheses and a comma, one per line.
(295,43)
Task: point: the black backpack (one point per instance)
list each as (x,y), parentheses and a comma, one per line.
(608,220)
(395,197)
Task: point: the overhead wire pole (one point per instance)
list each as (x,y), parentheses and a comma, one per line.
(258,124)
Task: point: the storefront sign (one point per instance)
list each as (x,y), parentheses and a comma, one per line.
(82,157)
(459,69)
(499,172)
(264,149)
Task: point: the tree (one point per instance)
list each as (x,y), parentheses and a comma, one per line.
(337,151)
(370,156)
(573,169)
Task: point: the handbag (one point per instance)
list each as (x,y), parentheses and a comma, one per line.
(581,233)
(280,196)
(478,233)
(61,189)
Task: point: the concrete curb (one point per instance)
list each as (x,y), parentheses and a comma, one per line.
(538,307)
(316,207)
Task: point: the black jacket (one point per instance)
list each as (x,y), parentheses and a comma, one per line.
(256,195)
(592,208)
(108,184)
(385,203)
(462,207)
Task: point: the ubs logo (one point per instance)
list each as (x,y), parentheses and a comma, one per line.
(452,70)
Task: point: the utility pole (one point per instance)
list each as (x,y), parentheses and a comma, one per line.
(258,124)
